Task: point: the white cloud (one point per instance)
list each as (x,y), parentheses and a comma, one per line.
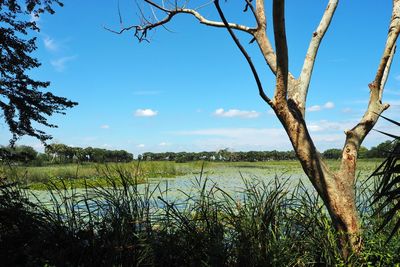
(164,144)
(50,44)
(314,128)
(141,145)
(314,108)
(326,134)
(236,113)
(324,125)
(60,64)
(145,113)
(239,138)
(105,126)
(248,133)
(397,77)
(329,105)
(347,110)
(37,146)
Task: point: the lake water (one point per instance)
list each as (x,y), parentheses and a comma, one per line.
(230,179)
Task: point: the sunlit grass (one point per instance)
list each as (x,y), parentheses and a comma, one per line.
(76,175)
(267,223)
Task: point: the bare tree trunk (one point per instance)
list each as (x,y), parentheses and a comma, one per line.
(335,189)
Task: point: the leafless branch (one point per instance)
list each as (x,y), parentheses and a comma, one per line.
(355,136)
(142,30)
(394,31)
(244,52)
(309,61)
(260,14)
(386,72)
(249,4)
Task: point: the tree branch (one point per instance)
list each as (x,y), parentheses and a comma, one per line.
(253,11)
(142,30)
(260,14)
(386,72)
(355,136)
(262,39)
(309,61)
(244,52)
(281,50)
(394,31)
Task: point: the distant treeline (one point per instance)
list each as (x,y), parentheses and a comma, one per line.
(379,151)
(221,155)
(60,153)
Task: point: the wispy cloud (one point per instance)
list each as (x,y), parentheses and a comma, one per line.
(392,92)
(232,132)
(232,113)
(107,146)
(144,92)
(141,145)
(327,126)
(239,138)
(314,108)
(164,144)
(105,126)
(397,77)
(61,63)
(327,105)
(326,134)
(145,113)
(50,44)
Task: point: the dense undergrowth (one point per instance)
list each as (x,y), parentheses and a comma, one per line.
(122,223)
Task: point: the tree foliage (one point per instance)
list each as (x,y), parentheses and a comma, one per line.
(332,153)
(22,101)
(220,155)
(60,153)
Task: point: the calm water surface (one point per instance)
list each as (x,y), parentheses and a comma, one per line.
(229,178)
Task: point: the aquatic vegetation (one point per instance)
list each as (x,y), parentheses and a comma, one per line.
(269,222)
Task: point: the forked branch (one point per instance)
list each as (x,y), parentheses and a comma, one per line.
(141,31)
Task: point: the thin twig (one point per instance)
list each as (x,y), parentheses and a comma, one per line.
(244,52)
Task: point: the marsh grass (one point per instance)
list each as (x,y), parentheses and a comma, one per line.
(123,223)
(77,175)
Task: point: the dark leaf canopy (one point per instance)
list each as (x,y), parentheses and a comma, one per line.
(22,101)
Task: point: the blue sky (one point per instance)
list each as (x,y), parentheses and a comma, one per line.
(190,89)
